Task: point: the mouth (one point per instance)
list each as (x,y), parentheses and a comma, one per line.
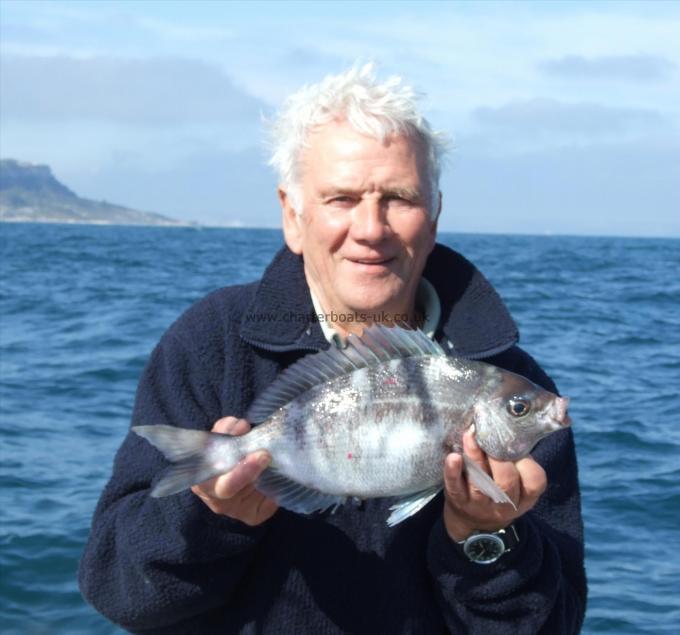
(371,262)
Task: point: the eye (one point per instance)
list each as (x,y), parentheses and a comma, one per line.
(518,407)
(342,201)
(396,199)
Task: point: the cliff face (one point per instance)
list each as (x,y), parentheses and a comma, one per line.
(16,176)
(30,193)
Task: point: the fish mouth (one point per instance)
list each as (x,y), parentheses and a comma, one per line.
(560,412)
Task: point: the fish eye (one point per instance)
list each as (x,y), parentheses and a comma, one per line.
(518,407)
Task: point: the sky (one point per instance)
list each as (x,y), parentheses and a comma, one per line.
(563,117)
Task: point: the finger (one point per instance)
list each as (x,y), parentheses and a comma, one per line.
(251,508)
(224,425)
(507,477)
(256,508)
(248,497)
(266,508)
(533,482)
(474,452)
(246,491)
(231,425)
(478,456)
(244,474)
(455,486)
(235,482)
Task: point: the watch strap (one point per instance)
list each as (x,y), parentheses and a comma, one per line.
(508,536)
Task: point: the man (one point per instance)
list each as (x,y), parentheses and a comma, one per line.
(359,171)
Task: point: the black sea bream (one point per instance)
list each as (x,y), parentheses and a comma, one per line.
(375,419)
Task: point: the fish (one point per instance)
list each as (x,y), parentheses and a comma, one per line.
(375,419)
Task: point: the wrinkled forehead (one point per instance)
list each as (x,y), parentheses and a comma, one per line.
(338,152)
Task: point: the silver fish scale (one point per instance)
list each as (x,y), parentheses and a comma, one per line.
(378,431)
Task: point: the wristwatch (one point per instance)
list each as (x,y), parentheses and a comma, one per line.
(485,548)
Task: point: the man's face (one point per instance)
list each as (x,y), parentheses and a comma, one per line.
(365,231)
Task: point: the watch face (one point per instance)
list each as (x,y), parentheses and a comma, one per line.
(484,548)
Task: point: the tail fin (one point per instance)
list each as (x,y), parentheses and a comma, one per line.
(188,449)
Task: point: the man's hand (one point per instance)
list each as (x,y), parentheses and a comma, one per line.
(233,494)
(466,509)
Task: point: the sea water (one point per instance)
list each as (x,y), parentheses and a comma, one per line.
(82,307)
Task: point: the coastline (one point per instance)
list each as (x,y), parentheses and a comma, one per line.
(69,221)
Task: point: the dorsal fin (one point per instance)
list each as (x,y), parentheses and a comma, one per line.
(376,345)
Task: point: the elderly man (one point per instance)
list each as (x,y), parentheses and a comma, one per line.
(359,170)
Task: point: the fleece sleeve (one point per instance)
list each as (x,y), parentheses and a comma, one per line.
(540,586)
(153,563)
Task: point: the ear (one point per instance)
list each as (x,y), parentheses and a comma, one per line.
(292,225)
(439,211)
(433,224)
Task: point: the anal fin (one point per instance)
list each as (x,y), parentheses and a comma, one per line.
(484,483)
(295,496)
(411,504)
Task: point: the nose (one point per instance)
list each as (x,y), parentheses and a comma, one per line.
(369,222)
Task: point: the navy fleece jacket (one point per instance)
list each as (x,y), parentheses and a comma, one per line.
(172,566)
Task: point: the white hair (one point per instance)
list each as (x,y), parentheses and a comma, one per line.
(378,110)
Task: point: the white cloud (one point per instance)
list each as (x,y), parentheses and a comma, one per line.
(617,67)
(147,91)
(583,119)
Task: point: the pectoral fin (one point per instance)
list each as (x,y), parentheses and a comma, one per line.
(484,483)
(411,504)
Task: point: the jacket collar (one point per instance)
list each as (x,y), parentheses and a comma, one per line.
(474,321)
